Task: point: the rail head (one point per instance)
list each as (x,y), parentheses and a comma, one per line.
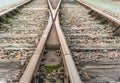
(35,59)
(72,70)
(113,19)
(54,11)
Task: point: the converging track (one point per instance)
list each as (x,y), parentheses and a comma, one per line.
(51,43)
(58,41)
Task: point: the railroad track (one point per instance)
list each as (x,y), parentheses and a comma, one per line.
(91,36)
(34,47)
(53,51)
(20,31)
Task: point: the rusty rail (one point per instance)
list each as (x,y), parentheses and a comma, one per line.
(69,63)
(54,11)
(72,73)
(113,19)
(35,59)
(33,65)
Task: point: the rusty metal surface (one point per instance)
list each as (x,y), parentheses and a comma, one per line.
(68,60)
(30,70)
(54,11)
(116,21)
(34,61)
(73,73)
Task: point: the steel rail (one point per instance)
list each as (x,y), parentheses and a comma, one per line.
(113,19)
(33,65)
(15,7)
(67,57)
(73,73)
(30,71)
(35,59)
(54,11)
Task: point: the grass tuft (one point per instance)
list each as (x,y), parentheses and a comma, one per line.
(51,68)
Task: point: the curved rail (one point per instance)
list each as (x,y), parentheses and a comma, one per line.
(114,20)
(54,11)
(35,59)
(67,57)
(69,63)
(32,68)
